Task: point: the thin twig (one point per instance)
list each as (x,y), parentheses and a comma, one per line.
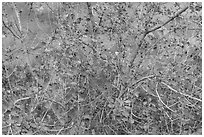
(172,18)
(92,30)
(166,114)
(49,7)
(190,97)
(149,31)
(91,16)
(28,59)
(137,117)
(10,125)
(51,78)
(15,23)
(9,83)
(147,91)
(8,75)
(155,43)
(169,87)
(52,100)
(18,37)
(181,92)
(161,99)
(94,100)
(133,85)
(136,50)
(25,98)
(48,109)
(102,112)
(93,48)
(112,129)
(142,79)
(174,103)
(17,15)
(60,130)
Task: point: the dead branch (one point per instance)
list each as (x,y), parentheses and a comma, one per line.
(149,31)
(181,92)
(161,99)
(17,15)
(135,84)
(15,35)
(142,79)
(25,98)
(172,18)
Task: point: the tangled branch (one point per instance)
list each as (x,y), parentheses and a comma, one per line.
(151,30)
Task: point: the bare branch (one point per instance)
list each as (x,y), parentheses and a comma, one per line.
(181,92)
(161,99)
(137,50)
(158,27)
(91,15)
(169,87)
(148,31)
(17,15)
(135,84)
(144,78)
(25,98)
(48,109)
(18,37)
(52,100)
